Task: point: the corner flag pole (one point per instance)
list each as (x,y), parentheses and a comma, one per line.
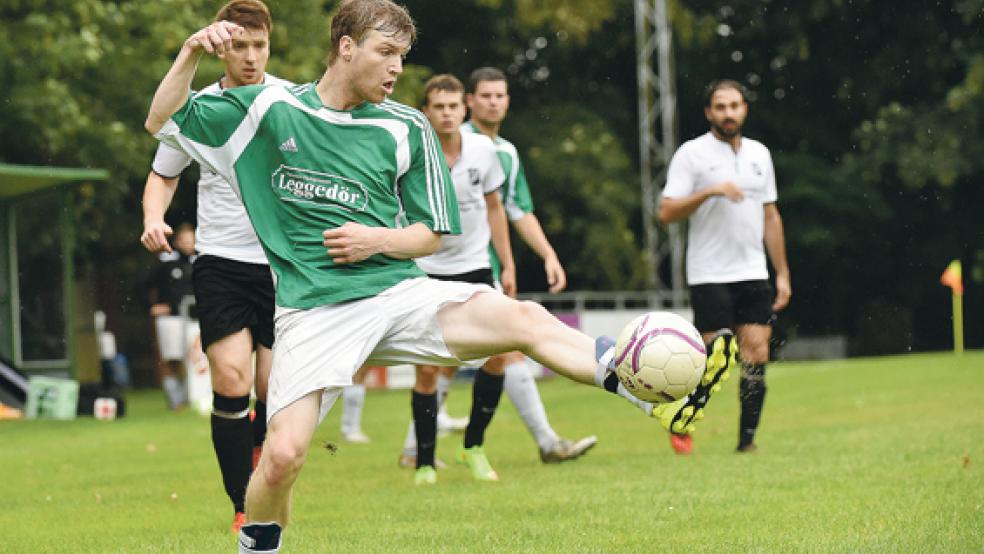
(958,334)
(953,278)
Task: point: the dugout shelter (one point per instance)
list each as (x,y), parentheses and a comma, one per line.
(41,328)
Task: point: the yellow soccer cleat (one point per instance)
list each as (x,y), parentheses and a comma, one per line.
(426,475)
(477,463)
(722,356)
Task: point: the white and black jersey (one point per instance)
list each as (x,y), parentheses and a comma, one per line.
(725,240)
(223,228)
(477,172)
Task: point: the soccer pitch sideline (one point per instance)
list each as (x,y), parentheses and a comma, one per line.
(882,454)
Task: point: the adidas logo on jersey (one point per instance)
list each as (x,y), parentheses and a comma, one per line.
(289,145)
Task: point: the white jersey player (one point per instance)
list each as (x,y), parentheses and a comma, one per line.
(477,177)
(231,276)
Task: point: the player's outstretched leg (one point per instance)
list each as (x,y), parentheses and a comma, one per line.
(677,417)
(490,323)
(284,453)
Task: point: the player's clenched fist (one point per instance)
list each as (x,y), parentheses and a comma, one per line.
(352,242)
(154,237)
(216,38)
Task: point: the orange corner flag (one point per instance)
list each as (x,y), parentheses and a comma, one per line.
(953,277)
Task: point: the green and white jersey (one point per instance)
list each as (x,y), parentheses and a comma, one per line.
(515,192)
(301,168)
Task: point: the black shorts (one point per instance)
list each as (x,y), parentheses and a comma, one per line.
(479,277)
(231,296)
(719,305)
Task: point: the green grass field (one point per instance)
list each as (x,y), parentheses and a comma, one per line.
(878,455)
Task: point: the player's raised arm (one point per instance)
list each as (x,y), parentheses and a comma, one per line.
(172,93)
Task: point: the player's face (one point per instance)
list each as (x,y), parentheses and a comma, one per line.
(246,62)
(490,102)
(185,242)
(727,112)
(445,110)
(376,63)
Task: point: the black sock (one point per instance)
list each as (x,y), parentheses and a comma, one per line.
(485,398)
(424,409)
(232,438)
(259,423)
(611,383)
(260,537)
(752,394)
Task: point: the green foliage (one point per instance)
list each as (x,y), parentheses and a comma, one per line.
(872,111)
(577,18)
(586,195)
(873,455)
(79,74)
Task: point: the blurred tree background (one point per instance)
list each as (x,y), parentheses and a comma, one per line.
(872,111)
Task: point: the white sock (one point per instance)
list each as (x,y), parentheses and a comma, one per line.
(443,387)
(521,388)
(410,443)
(174,391)
(353,399)
(646,407)
(602,370)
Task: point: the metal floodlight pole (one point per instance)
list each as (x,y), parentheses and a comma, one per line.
(657,103)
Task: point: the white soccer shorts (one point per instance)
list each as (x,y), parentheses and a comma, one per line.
(321,348)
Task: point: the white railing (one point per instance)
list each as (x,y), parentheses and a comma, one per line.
(580,301)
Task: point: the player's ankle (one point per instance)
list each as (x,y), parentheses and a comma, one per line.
(260,538)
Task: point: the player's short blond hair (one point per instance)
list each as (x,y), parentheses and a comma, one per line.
(443,82)
(251,14)
(356,18)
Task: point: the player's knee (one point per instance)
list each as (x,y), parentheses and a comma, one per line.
(755,353)
(426,382)
(531,321)
(283,461)
(230,379)
(493,369)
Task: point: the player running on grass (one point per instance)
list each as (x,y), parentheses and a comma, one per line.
(476,176)
(467,258)
(344,189)
(232,281)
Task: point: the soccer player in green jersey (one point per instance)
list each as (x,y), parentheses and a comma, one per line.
(344,190)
